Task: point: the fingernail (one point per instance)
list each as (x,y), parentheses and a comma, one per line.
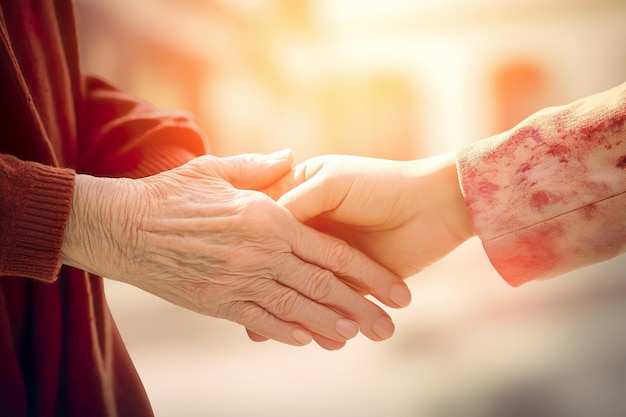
(347,328)
(400,295)
(383,327)
(302,337)
(280,155)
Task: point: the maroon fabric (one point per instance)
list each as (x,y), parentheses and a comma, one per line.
(60,351)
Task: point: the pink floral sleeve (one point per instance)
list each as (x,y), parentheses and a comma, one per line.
(549,196)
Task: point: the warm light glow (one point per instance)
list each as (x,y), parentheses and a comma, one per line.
(400,79)
(396,79)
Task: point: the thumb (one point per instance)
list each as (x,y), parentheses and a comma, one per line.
(256,171)
(311,198)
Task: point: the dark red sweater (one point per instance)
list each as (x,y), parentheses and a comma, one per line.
(60,351)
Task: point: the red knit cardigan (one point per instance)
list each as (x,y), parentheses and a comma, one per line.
(60,351)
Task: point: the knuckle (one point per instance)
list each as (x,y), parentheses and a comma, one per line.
(321,285)
(284,305)
(257,201)
(257,212)
(226,311)
(247,313)
(340,257)
(239,312)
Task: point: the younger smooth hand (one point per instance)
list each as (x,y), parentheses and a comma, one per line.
(403,214)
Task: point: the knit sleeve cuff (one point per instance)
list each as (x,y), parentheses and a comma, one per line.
(36,200)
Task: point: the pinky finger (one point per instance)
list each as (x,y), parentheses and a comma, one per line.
(322,341)
(255,337)
(327,343)
(261,324)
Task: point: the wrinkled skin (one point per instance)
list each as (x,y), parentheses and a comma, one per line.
(200,237)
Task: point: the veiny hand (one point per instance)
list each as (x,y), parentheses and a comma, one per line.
(404,215)
(199,237)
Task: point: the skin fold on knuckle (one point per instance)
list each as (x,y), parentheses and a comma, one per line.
(340,257)
(284,304)
(246,313)
(255,203)
(258,215)
(320,286)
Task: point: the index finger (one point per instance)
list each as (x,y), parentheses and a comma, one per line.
(350,265)
(302,179)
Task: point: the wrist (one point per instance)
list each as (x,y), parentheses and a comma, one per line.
(445,195)
(99,222)
(463,221)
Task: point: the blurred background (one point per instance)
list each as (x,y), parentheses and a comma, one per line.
(391,79)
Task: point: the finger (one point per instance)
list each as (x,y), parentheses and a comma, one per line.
(366,241)
(282,186)
(322,341)
(258,321)
(351,265)
(327,344)
(255,337)
(312,198)
(289,303)
(256,171)
(321,288)
(306,192)
(284,304)
(298,175)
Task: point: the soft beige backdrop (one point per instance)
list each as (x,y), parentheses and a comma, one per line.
(393,79)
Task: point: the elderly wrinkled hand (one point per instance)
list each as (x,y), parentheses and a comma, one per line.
(200,237)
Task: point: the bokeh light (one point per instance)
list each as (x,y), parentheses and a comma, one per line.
(390,79)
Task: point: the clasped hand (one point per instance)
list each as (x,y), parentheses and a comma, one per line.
(203,237)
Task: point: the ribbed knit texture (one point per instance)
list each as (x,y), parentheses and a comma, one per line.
(60,351)
(35,205)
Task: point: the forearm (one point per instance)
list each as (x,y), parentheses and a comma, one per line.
(548,196)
